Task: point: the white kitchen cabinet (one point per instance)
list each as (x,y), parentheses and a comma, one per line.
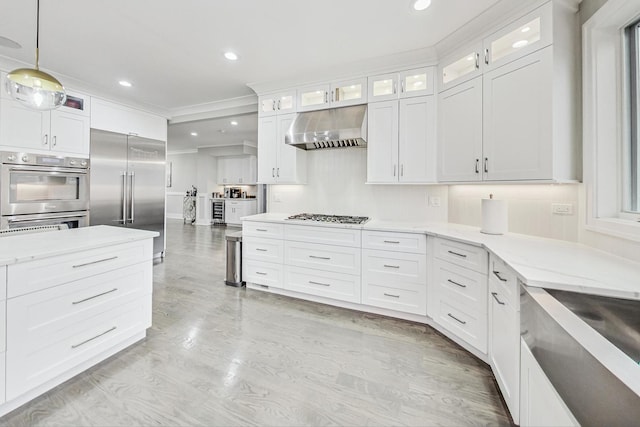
(328,284)
(237,170)
(331,95)
(62,131)
(504,333)
(405,84)
(401,141)
(461,66)
(540,403)
(518,122)
(277,103)
(279,163)
(114,117)
(263,254)
(234,209)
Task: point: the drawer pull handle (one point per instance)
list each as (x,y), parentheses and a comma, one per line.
(456,283)
(495,296)
(456,319)
(261,250)
(391,266)
(260,273)
(318,283)
(261,229)
(97,336)
(391,295)
(95,296)
(95,262)
(319,257)
(395,242)
(457,254)
(497,274)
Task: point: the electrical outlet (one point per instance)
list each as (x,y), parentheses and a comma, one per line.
(434,201)
(277,198)
(562,208)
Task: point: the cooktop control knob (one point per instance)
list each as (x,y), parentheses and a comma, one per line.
(25,158)
(83,163)
(72,162)
(11,157)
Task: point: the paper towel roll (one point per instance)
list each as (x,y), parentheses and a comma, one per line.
(494,216)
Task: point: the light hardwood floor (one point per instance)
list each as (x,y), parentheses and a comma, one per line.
(218,355)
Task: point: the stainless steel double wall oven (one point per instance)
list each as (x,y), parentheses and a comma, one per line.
(38,189)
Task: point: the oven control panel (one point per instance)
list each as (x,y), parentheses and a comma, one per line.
(42,160)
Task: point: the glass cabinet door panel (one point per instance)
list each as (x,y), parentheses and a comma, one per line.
(267,105)
(383,87)
(415,82)
(525,35)
(348,92)
(463,66)
(285,102)
(311,98)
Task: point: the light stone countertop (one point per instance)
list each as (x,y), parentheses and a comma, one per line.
(539,262)
(29,247)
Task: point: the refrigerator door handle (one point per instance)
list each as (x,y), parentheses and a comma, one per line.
(124,199)
(132,196)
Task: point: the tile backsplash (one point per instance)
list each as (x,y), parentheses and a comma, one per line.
(530,207)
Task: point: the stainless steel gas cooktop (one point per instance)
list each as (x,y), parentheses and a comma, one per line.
(335,219)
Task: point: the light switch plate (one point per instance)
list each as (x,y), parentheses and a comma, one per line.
(434,201)
(562,208)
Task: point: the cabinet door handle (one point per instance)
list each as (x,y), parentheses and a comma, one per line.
(261,229)
(260,273)
(273,172)
(401,170)
(391,295)
(273,107)
(94,262)
(486,56)
(91,339)
(495,296)
(326,97)
(456,283)
(456,319)
(55,140)
(391,266)
(402,86)
(278,104)
(477,60)
(278,172)
(95,296)
(395,242)
(45,139)
(477,165)
(318,283)
(395,88)
(261,250)
(497,274)
(319,257)
(457,254)
(394,170)
(486,165)
(332,95)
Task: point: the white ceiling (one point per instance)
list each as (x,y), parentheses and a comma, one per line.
(209,135)
(172,51)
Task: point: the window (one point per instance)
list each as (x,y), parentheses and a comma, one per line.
(611,120)
(632,203)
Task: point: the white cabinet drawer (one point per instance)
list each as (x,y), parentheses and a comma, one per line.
(262,273)
(324,235)
(466,287)
(470,326)
(339,259)
(48,272)
(462,254)
(3,283)
(256,248)
(343,287)
(35,360)
(378,294)
(400,242)
(400,269)
(506,282)
(263,229)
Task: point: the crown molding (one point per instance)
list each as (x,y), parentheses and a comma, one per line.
(211,110)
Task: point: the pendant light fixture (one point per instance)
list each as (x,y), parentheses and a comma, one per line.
(34,88)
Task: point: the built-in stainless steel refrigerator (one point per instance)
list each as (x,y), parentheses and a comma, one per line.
(127,185)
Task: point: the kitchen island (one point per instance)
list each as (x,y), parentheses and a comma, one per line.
(69,299)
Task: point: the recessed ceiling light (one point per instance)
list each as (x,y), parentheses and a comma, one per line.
(526,29)
(125,83)
(519,44)
(421,4)
(234,123)
(230,56)
(194,133)
(470,58)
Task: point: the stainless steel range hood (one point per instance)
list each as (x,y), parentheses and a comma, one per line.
(332,128)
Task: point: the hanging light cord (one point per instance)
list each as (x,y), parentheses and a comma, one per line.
(37,34)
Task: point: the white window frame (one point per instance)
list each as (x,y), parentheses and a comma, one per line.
(606,128)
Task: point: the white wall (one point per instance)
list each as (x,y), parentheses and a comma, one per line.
(529,207)
(190,169)
(336,185)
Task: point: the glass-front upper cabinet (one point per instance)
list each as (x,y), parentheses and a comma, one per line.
(460,67)
(313,97)
(277,103)
(524,36)
(406,84)
(349,92)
